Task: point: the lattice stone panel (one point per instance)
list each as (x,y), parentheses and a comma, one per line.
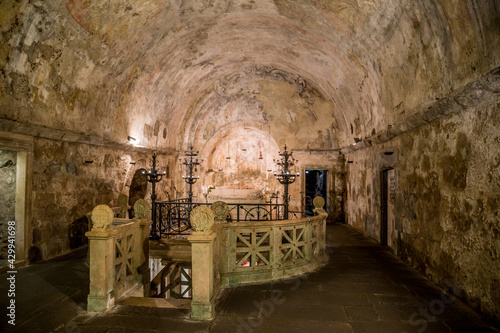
(293,244)
(251,248)
(315,232)
(124,255)
(186,283)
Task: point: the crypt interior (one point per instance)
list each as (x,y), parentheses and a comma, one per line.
(390,108)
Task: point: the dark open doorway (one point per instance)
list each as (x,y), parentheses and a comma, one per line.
(387,207)
(316,185)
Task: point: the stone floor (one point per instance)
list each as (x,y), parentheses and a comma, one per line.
(363,288)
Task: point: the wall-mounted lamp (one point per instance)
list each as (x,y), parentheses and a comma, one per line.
(130,138)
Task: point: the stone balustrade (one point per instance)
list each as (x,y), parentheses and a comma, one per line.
(265,251)
(230,254)
(118,256)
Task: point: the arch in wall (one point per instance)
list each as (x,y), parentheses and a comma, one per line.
(23,146)
(239,156)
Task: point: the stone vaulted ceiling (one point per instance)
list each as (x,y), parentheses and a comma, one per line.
(171,73)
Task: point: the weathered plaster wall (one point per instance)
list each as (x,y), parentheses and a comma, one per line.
(147,68)
(268,100)
(447,199)
(7,196)
(66,186)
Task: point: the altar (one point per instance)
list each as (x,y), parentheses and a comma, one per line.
(237,195)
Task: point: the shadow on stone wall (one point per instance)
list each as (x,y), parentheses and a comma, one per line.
(76,232)
(138,189)
(34,254)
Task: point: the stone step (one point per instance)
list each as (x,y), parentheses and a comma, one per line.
(168,303)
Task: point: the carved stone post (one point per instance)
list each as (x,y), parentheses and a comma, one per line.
(101,248)
(319,203)
(202,249)
(141,208)
(221,212)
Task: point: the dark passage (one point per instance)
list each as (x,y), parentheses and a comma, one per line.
(316,185)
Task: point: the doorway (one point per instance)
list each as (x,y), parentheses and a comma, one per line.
(316,185)
(8,162)
(387,225)
(16,162)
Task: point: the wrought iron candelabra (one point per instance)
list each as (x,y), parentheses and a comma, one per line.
(191,163)
(153,176)
(285,176)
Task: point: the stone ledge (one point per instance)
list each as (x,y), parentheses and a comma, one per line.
(38,131)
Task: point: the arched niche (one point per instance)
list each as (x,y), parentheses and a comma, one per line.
(239,162)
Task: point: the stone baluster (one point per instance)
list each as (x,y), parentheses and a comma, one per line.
(319,203)
(141,209)
(221,212)
(202,249)
(102,273)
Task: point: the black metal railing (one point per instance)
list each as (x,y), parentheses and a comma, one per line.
(172,217)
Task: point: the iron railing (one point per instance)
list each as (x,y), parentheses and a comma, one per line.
(172,217)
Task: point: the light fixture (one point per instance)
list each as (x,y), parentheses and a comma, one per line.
(154,176)
(130,138)
(284,176)
(191,163)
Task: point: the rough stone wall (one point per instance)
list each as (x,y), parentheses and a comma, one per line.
(7,195)
(69,180)
(447,203)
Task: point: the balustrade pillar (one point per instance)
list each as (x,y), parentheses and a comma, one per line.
(202,247)
(101,245)
(141,209)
